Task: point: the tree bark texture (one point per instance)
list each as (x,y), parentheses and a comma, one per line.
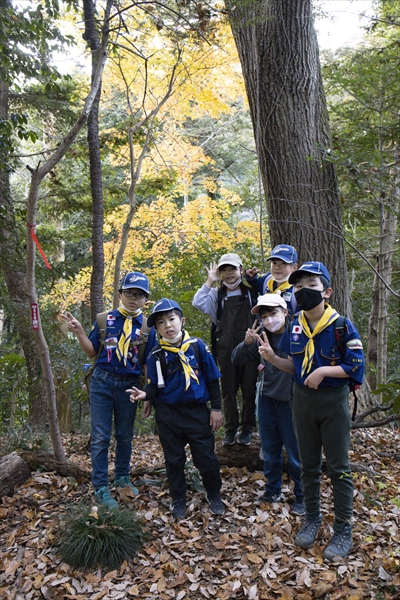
(96,184)
(279,54)
(13,472)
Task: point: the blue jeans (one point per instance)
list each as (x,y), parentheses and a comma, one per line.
(276,430)
(108,398)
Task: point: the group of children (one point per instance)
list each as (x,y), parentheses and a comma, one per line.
(278,326)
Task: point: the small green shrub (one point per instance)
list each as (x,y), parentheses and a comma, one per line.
(99,537)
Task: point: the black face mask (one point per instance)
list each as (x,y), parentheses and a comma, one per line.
(308,299)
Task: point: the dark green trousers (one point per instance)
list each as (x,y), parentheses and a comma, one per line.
(321,420)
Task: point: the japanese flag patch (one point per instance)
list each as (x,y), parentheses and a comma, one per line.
(297,329)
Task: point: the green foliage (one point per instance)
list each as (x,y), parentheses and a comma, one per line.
(14,392)
(92,537)
(390,391)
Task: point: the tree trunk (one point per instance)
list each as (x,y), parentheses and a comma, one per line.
(279,54)
(14,274)
(13,472)
(96,184)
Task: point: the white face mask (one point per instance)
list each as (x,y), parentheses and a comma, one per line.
(281,280)
(173,341)
(274,323)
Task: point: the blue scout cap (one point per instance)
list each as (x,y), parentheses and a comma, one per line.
(315,268)
(135,280)
(163,305)
(286,253)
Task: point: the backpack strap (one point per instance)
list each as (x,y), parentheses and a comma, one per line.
(144,336)
(340,325)
(101,319)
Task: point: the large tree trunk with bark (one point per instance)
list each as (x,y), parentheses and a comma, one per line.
(96,184)
(279,54)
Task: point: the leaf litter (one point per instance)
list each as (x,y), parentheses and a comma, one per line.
(248,553)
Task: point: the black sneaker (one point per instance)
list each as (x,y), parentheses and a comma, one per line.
(229,438)
(341,542)
(216,506)
(178,509)
(307,534)
(298,507)
(270,498)
(244,437)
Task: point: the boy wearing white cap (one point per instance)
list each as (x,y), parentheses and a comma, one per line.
(274,411)
(229,307)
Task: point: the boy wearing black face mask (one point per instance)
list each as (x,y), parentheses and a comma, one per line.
(274,412)
(322,370)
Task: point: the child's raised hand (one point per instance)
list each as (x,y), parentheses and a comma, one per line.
(72,323)
(251,334)
(265,349)
(136,395)
(212,274)
(251,273)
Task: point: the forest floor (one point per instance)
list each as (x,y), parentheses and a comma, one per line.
(248,553)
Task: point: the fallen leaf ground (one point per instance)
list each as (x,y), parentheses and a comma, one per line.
(246,554)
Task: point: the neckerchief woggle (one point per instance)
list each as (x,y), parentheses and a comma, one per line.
(330,315)
(125,338)
(187,369)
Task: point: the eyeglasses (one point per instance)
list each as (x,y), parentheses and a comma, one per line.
(137,295)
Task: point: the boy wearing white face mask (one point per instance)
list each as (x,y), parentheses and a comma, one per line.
(274,412)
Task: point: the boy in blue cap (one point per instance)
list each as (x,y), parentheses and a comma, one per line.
(115,344)
(323,369)
(283,262)
(182,378)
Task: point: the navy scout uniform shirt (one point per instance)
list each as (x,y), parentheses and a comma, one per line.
(174,391)
(108,360)
(327,353)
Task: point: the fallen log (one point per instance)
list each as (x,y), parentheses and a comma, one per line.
(240,456)
(42,459)
(13,472)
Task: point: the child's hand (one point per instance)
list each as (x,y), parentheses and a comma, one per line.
(146,409)
(314,378)
(72,323)
(213,275)
(265,349)
(251,334)
(215,419)
(251,273)
(136,394)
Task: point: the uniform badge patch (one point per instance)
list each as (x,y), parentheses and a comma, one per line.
(295,337)
(354,344)
(296,329)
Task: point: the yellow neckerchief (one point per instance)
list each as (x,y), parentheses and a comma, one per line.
(187,369)
(330,315)
(285,285)
(125,338)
